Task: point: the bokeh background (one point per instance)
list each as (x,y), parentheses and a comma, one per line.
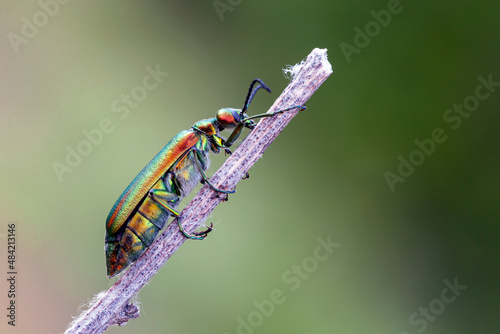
(324,177)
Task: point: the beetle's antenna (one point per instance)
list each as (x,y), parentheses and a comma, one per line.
(252,91)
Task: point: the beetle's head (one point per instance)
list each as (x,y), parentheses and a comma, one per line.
(231,117)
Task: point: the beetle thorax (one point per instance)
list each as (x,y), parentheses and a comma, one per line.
(207,126)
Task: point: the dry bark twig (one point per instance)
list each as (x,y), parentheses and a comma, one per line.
(113,307)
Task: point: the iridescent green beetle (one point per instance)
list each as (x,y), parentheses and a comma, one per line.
(144,207)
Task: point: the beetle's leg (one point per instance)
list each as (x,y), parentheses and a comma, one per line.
(164,198)
(234,135)
(246,176)
(196,235)
(205,179)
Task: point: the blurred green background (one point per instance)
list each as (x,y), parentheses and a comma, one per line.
(324,177)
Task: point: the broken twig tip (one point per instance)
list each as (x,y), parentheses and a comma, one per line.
(290,71)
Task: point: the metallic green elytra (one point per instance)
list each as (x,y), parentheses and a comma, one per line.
(153,196)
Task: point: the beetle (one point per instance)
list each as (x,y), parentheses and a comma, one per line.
(153,196)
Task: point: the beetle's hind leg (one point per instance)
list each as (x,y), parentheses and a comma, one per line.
(166,198)
(196,235)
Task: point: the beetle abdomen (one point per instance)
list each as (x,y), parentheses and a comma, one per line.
(131,240)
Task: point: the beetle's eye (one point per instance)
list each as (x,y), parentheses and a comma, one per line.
(236,115)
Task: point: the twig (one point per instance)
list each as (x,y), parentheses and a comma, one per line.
(113,307)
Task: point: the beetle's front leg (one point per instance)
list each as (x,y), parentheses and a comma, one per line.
(234,135)
(222,143)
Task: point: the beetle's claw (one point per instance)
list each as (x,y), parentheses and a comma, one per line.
(226,197)
(205,232)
